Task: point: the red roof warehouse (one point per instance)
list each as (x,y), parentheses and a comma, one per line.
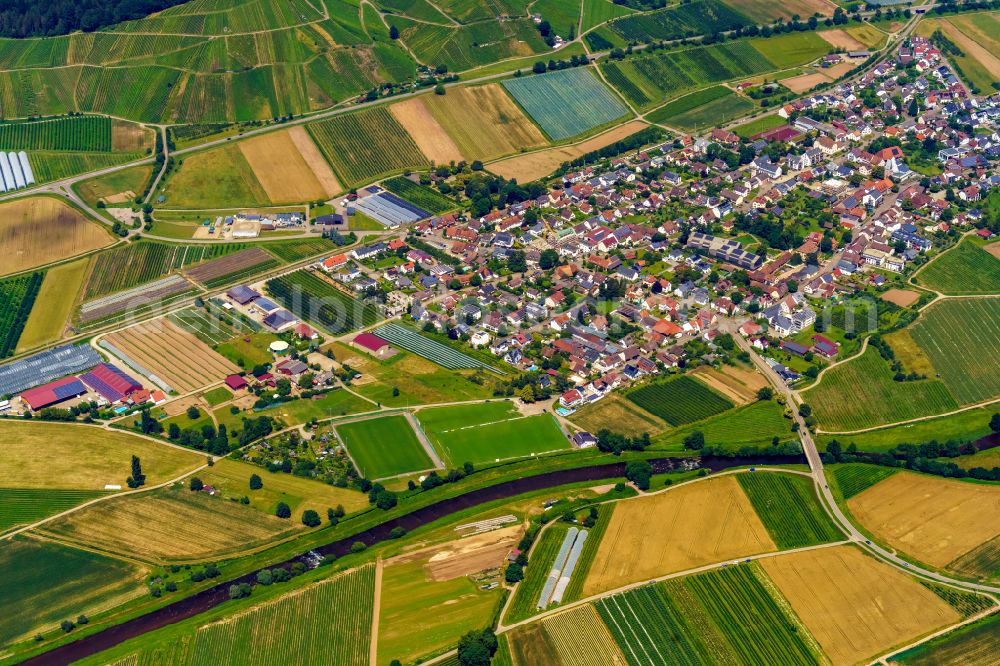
(110,382)
(370,341)
(53,392)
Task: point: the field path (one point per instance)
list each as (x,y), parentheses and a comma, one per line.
(376,611)
(424,441)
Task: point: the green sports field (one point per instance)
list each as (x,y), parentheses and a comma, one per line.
(384,447)
(490,432)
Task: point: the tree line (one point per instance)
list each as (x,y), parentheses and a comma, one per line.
(32,18)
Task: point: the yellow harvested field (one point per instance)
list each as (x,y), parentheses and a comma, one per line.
(54,304)
(581,638)
(690,526)
(314,158)
(993,248)
(174,355)
(427,133)
(468,555)
(532,166)
(867,34)
(932,519)
(804,82)
(629,419)
(855,606)
(169,524)
(83,457)
(484,122)
(737,384)
(841,40)
(39,230)
(282,170)
(232,479)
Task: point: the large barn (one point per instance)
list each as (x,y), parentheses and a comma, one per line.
(53,393)
(110,383)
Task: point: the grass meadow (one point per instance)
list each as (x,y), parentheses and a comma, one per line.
(48,582)
(861,393)
(384,447)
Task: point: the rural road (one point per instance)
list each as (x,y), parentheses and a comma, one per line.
(823,488)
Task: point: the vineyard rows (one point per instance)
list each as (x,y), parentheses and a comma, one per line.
(700,17)
(419,195)
(364,145)
(313,299)
(73,133)
(789,509)
(17,297)
(133,264)
(679,401)
(328,623)
(296,250)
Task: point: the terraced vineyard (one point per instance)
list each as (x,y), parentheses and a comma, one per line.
(649,79)
(680,400)
(314,299)
(701,17)
(326,623)
(567,102)
(74,133)
(17,297)
(789,509)
(365,145)
(133,264)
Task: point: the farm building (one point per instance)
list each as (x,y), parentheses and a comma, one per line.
(53,393)
(111,383)
(390,210)
(46,366)
(236,382)
(374,344)
(280,320)
(242,294)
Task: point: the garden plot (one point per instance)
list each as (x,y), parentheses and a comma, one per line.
(171,354)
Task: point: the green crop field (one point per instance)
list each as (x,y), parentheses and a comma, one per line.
(649,79)
(964,269)
(567,102)
(755,623)
(48,583)
(664,624)
(716,111)
(968,425)
(861,393)
(961,337)
(130,265)
(330,622)
(90,133)
(699,17)
(49,165)
(23,506)
(365,145)
(855,478)
(562,16)
(542,557)
(384,447)
(314,299)
(507,437)
(419,195)
(17,297)
(756,424)
(680,400)
(688,102)
(789,509)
